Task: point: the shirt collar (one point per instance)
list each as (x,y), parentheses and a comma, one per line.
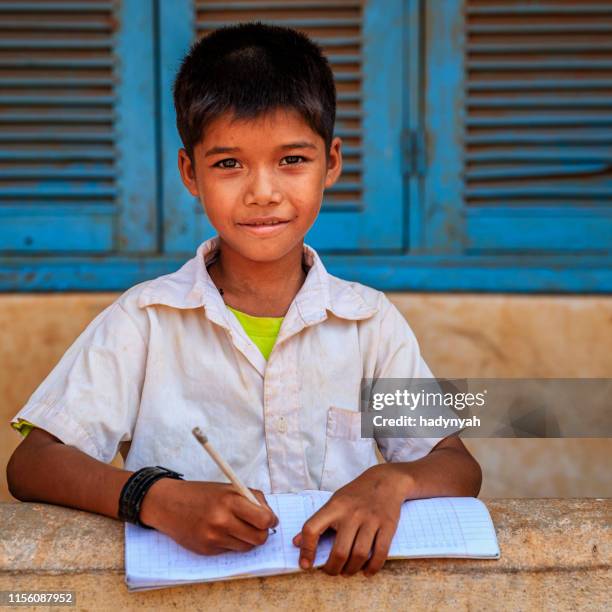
(192,287)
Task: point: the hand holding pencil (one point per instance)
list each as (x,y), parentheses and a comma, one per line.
(225,467)
(206,517)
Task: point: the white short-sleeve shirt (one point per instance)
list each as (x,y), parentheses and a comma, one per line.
(168,355)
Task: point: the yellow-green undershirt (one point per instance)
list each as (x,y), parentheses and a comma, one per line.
(261,330)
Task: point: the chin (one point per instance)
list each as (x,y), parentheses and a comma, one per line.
(268,251)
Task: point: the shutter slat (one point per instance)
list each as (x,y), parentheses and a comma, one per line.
(568,27)
(55,173)
(352,58)
(538,171)
(552,191)
(558,8)
(531,65)
(336,26)
(54,191)
(348,113)
(583,46)
(267,5)
(56,7)
(55,43)
(56,154)
(50,118)
(61,100)
(568,137)
(539,101)
(342,41)
(80,136)
(38,25)
(348,132)
(569,120)
(349,151)
(544,84)
(58,82)
(42,208)
(347,96)
(67,63)
(347,77)
(541,154)
(305,22)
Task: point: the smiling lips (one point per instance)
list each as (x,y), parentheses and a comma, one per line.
(264,221)
(264,226)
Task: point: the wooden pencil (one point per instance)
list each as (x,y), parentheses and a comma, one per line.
(223,465)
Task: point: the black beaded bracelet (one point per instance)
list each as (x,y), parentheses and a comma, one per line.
(135,489)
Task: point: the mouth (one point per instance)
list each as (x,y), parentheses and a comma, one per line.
(264,227)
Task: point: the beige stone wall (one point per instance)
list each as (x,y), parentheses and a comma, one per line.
(461,335)
(514,336)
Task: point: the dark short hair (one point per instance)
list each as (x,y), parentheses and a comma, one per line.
(250,69)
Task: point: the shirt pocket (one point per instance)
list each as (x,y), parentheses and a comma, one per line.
(347,454)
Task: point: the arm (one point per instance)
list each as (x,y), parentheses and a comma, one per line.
(449,470)
(42,468)
(206,517)
(365,512)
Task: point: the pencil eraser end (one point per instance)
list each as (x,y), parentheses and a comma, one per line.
(197,432)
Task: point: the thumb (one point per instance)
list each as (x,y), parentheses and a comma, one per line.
(297,540)
(264,502)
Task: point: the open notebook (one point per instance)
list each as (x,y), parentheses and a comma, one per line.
(438,527)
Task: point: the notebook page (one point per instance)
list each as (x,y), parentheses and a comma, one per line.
(154,559)
(445,527)
(312,500)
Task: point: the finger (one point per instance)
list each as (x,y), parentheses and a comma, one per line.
(201,549)
(241,530)
(297,540)
(311,532)
(260,517)
(264,502)
(341,550)
(228,542)
(361,549)
(212,550)
(380,552)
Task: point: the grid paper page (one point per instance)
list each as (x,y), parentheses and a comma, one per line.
(445,527)
(153,558)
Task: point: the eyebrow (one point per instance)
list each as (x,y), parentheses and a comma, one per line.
(291,145)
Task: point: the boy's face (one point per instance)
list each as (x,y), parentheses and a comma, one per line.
(261,178)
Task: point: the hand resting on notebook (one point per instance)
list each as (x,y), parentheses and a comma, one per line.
(365,512)
(364,515)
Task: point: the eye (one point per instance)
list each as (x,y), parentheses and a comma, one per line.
(295,157)
(229,159)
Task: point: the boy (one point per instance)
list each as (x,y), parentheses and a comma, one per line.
(252,340)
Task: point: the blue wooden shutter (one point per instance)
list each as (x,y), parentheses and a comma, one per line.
(364,210)
(519,113)
(77,130)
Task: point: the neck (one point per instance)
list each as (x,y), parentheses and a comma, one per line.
(259,288)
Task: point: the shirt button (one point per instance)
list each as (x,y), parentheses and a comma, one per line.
(281,425)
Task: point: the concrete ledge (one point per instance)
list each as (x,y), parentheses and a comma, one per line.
(555,555)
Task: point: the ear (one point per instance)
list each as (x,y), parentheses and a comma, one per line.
(334,165)
(187,170)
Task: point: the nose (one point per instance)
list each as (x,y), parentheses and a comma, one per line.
(262,189)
